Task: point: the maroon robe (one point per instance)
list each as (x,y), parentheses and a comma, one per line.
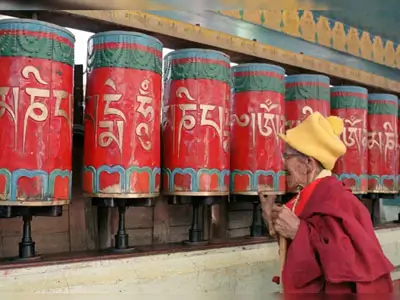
(335,249)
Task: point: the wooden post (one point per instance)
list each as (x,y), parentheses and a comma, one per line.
(161,221)
(78,95)
(219,219)
(103,227)
(82,215)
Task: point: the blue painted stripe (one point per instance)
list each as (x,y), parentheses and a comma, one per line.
(349,89)
(243,29)
(383,97)
(36,26)
(307,78)
(126,37)
(201,53)
(259,68)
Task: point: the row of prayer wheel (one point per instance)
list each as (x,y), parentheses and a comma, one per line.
(219,125)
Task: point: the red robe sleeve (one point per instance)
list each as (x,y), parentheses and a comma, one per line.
(338,249)
(335,246)
(302,265)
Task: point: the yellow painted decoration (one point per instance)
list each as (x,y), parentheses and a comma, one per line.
(143,21)
(291,22)
(358,44)
(307,5)
(273,19)
(252,16)
(271,4)
(398,56)
(366,46)
(353,42)
(377,50)
(324,32)
(308,26)
(233,13)
(390,54)
(339,37)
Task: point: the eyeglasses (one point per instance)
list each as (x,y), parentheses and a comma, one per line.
(287,156)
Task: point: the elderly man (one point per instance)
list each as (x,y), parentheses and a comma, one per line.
(332,247)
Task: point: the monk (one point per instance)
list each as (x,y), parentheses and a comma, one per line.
(331,243)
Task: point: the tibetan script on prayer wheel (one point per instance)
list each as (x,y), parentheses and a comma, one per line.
(304,95)
(350,103)
(196,123)
(257,119)
(36,90)
(122,116)
(398,147)
(382,143)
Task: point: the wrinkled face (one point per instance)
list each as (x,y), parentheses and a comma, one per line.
(297,167)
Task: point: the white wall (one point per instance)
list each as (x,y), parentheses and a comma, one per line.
(209,274)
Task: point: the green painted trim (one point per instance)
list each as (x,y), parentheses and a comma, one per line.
(258,83)
(382,109)
(307,92)
(28,46)
(125,58)
(349,102)
(196,70)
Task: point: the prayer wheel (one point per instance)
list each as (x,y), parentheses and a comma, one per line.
(196,123)
(398,147)
(351,104)
(304,95)
(258,117)
(382,143)
(36,88)
(122,116)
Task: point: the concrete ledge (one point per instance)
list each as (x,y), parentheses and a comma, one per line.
(227,271)
(390,241)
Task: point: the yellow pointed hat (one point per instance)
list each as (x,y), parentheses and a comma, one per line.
(318,137)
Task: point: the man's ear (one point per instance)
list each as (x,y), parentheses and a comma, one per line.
(311,164)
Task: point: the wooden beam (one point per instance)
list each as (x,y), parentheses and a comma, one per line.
(143,21)
(176,35)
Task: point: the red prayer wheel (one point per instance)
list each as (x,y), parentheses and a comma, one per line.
(258,117)
(122,116)
(196,123)
(398,147)
(351,104)
(382,143)
(36,88)
(304,95)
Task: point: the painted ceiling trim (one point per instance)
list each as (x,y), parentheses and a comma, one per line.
(139,20)
(315,28)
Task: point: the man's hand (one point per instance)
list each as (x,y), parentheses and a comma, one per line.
(285,222)
(266,205)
